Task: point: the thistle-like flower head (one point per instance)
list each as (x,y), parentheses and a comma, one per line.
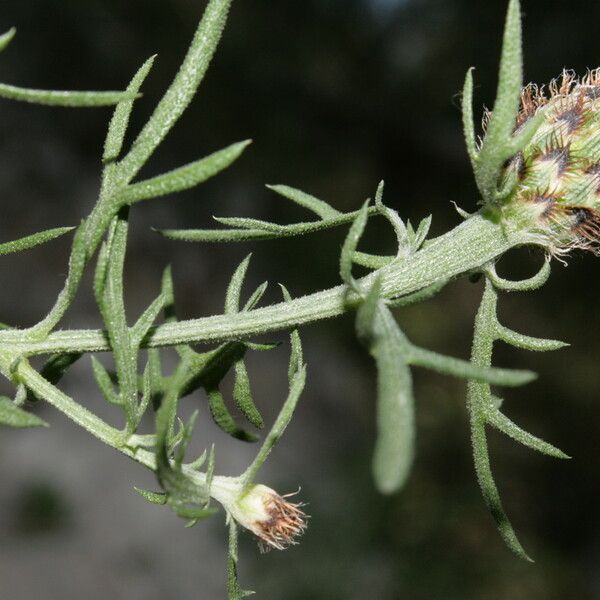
(556,176)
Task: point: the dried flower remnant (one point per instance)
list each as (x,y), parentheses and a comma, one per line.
(272,518)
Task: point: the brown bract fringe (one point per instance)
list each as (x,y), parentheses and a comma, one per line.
(534,97)
(580,223)
(286,522)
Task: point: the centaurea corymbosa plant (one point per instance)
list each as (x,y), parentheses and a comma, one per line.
(537,168)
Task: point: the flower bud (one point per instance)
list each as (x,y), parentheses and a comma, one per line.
(554,181)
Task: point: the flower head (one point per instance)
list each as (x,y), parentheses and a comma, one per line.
(272,518)
(557,174)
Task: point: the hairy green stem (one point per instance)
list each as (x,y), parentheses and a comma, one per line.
(468,247)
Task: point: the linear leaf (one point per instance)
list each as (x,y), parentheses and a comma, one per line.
(142,326)
(350,244)
(394,448)
(186,177)
(495,150)
(152,497)
(297,355)
(468,370)
(372,261)
(234,289)
(256,296)
(467,118)
(74,99)
(183,88)
(425,294)
(104,382)
(502,423)
(35,239)
(283,420)
(120,119)
(13,416)
(222,417)
(523,285)
(527,342)
(320,208)
(242,395)
(489,489)
(77,261)
(6,38)
(275,231)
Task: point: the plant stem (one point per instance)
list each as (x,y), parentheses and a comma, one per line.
(467,247)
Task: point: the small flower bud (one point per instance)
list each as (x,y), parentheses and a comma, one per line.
(270,517)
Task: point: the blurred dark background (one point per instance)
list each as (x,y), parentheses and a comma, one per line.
(336,94)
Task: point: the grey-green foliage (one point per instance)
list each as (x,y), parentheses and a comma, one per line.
(418,270)
(484,407)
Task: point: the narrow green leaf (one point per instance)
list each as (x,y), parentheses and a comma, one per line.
(77,261)
(152,497)
(256,297)
(222,417)
(527,342)
(120,119)
(421,233)
(274,231)
(234,290)
(502,423)
(350,244)
(394,219)
(186,177)
(495,148)
(187,432)
(104,382)
(320,208)
(467,117)
(33,240)
(283,420)
(183,88)
(420,296)
(297,355)
(463,369)
(142,326)
(75,99)
(112,308)
(372,261)
(489,490)
(242,395)
(199,462)
(524,285)
(13,416)
(252,224)
(6,38)
(394,448)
